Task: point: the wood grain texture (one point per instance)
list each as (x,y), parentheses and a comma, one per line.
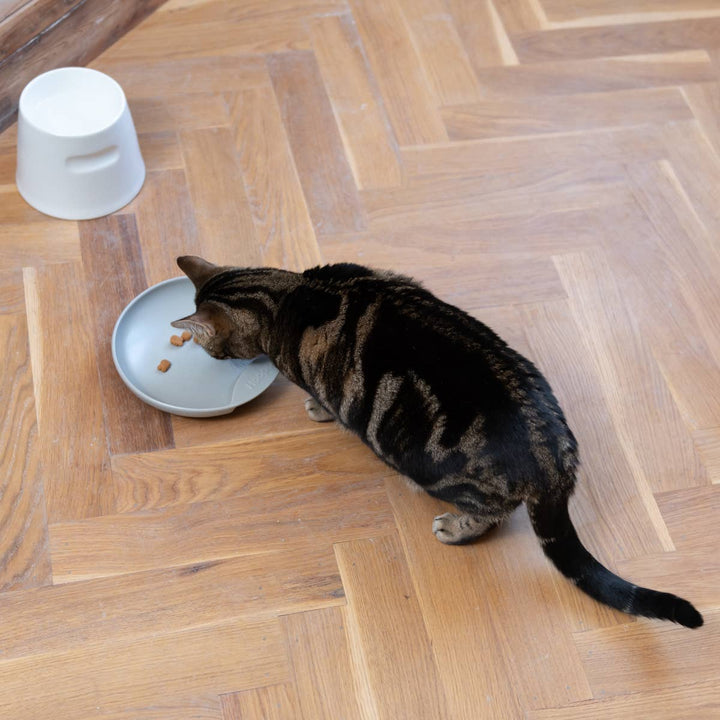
(166,224)
(617,40)
(107,244)
(559,78)
(12,294)
(274,702)
(225,227)
(214,530)
(661,451)
(24,556)
(576,112)
(410,103)
(435,35)
(366,133)
(67,369)
(312,133)
(193,666)
(323,670)
(147,481)
(483,33)
(110,609)
(282,220)
(395,644)
(613,666)
(698,700)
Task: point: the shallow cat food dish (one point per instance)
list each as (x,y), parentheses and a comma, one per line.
(195,385)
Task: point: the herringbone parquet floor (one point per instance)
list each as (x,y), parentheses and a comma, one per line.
(552,167)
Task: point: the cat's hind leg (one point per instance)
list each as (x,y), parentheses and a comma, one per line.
(316,411)
(454,529)
(475,518)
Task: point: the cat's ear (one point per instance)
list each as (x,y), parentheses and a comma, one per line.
(206,322)
(197,269)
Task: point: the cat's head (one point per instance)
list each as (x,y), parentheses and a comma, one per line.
(228,322)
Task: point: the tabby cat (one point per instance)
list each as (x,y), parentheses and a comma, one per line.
(435,393)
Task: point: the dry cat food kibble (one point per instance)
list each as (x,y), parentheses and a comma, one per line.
(177,340)
(186,335)
(164,365)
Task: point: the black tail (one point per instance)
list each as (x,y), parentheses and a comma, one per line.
(552,524)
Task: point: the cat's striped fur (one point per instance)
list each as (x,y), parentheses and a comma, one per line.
(435,393)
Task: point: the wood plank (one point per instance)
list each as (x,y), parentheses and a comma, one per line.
(394,644)
(322,667)
(520,16)
(608,11)
(23,20)
(707,442)
(14,208)
(36,243)
(648,278)
(694,168)
(24,556)
(222,213)
(78,34)
(166,224)
(12,294)
(172,672)
(273,702)
(585,111)
(8,164)
(458,608)
(512,188)
(309,459)
(653,435)
(151,78)
(483,33)
(691,515)
(617,40)
(521,156)
(77,615)
(612,74)
(704,101)
(368,139)
(436,37)
(160,151)
(409,102)
(64,364)
(694,700)
(315,141)
(215,28)
(695,261)
(184,535)
(110,242)
(283,225)
(645,656)
(174,112)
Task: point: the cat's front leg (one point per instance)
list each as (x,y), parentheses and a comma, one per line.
(316,411)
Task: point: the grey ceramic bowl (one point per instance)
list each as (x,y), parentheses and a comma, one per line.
(196,385)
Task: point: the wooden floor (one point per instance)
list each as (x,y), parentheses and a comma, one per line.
(552,167)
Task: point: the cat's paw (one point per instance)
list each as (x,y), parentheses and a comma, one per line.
(316,411)
(454,529)
(446,528)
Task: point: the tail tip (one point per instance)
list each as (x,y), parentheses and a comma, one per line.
(686,614)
